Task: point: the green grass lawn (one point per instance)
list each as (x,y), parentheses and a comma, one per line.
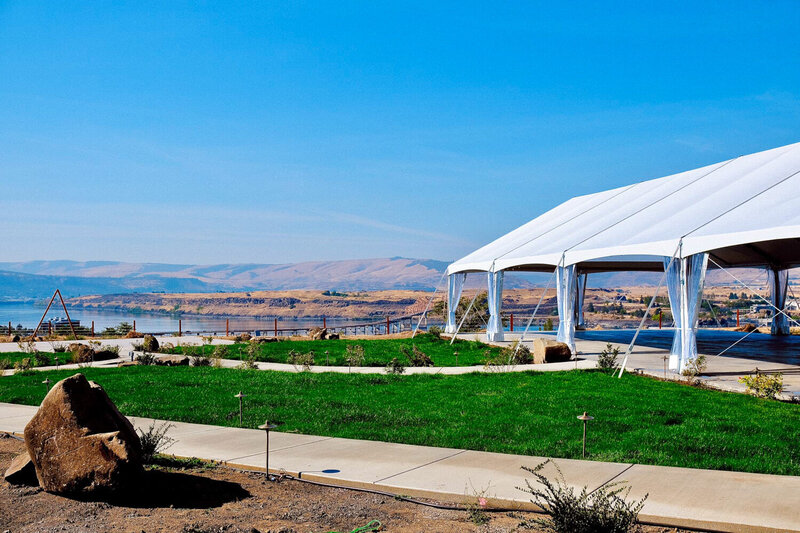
(377,352)
(638,419)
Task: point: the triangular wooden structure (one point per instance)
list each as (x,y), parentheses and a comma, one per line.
(71,327)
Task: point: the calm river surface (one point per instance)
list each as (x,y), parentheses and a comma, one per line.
(28,314)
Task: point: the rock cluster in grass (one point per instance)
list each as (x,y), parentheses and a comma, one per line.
(78,443)
(83,353)
(321,334)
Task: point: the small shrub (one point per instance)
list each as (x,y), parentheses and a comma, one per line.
(5,364)
(354,355)
(605,509)
(220,351)
(304,360)
(137,346)
(548,325)
(40,359)
(110,348)
(763,385)
(146,359)
(200,360)
(607,361)
(155,440)
(395,367)
(59,348)
(516,354)
(694,368)
(248,363)
(253,350)
(435,331)
(415,356)
(23,364)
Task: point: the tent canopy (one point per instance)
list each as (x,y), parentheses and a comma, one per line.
(743,212)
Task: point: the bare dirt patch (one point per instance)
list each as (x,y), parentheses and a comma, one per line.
(202,499)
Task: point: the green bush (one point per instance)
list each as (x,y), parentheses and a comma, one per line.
(607,361)
(602,510)
(395,367)
(415,356)
(305,360)
(764,385)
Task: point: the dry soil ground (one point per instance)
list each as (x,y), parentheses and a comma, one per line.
(199,500)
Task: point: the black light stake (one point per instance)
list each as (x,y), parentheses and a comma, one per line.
(585,418)
(267,427)
(240,396)
(46,384)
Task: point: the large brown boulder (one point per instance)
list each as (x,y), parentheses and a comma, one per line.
(21,471)
(79,442)
(550,351)
(747,328)
(317,334)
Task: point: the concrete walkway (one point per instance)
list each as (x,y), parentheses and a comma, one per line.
(678,497)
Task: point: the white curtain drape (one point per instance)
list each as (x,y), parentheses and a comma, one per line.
(778,287)
(494,329)
(674,292)
(580,296)
(455,285)
(685,279)
(566,287)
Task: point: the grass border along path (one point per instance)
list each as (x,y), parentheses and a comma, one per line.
(637,419)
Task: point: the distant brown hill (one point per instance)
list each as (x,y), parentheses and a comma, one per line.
(38,279)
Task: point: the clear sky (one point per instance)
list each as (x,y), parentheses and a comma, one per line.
(211,132)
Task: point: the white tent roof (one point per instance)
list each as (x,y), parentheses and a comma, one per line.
(745,211)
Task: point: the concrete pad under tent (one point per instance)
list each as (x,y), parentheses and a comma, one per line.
(647,357)
(736,213)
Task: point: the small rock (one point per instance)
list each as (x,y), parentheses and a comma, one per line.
(21,471)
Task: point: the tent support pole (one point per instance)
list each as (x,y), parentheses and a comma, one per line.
(435,289)
(746,286)
(530,320)
(646,313)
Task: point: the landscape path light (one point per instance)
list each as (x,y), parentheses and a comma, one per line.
(327,363)
(266,426)
(585,419)
(665,359)
(241,409)
(46,384)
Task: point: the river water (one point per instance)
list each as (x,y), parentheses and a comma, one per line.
(29,314)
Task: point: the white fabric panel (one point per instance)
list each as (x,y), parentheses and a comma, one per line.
(566,288)
(778,287)
(710,207)
(494,329)
(693,275)
(673,281)
(580,295)
(455,285)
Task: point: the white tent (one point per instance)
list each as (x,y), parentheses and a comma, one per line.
(740,212)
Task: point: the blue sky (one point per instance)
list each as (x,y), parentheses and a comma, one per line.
(273,132)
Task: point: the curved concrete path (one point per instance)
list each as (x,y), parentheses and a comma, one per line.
(678,497)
